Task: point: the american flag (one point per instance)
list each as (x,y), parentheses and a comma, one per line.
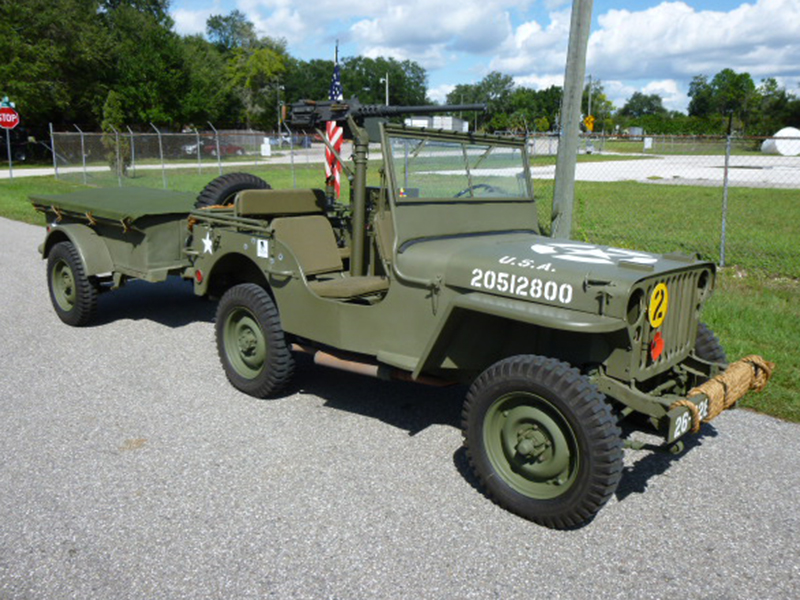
(334,133)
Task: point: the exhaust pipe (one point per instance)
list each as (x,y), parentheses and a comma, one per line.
(325,359)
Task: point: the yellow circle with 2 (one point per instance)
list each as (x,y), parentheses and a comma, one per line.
(659,303)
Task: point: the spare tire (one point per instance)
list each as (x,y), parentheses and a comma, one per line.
(222,190)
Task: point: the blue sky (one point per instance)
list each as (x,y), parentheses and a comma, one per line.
(648,46)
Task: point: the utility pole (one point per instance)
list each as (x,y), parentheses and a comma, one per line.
(564,192)
(386,81)
(589,110)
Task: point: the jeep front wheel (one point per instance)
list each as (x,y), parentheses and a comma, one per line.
(251,344)
(542,440)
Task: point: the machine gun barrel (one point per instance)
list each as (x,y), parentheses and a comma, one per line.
(307,113)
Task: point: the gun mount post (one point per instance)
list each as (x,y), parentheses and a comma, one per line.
(359,197)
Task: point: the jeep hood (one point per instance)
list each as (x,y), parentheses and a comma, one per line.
(562,273)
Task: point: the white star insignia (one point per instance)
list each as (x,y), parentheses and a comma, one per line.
(208,244)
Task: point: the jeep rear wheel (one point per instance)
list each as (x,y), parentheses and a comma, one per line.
(74,297)
(251,344)
(542,440)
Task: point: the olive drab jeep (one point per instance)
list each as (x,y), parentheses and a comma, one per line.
(438,275)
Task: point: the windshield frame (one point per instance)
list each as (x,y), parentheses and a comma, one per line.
(489,142)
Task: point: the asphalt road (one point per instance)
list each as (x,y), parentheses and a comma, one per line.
(131,469)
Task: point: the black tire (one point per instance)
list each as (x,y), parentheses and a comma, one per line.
(542,441)
(708,346)
(73,295)
(221,190)
(250,341)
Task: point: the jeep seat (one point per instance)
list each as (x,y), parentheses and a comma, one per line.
(311,240)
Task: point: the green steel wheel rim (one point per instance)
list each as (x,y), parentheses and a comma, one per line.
(64,289)
(530,445)
(245,344)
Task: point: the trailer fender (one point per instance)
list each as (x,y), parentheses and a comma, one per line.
(91,247)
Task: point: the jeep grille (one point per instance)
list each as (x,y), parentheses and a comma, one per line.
(679,329)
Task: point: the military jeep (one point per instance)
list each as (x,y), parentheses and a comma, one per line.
(438,275)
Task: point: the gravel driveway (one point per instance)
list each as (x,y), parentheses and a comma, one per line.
(132,469)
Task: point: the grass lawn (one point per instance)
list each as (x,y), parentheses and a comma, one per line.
(752,314)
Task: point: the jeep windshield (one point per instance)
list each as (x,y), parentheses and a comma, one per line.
(446,185)
(441,165)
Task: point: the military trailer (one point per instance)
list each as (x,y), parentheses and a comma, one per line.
(439,275)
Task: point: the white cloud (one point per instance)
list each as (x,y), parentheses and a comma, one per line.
(674,98)
(411,29)
(673,40)
(533,49)
(439,93)
(540,82)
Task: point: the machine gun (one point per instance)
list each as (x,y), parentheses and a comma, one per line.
(308,114)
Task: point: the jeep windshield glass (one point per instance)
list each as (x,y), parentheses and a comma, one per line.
(430,168)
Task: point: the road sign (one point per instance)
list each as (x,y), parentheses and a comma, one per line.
(589,122)
(9,118)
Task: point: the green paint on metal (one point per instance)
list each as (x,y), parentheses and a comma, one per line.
(63,280)
(121,203)
(531,445)
(245,345)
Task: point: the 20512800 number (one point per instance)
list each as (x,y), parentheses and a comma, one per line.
(521,285)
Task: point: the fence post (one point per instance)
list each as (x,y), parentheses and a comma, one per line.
(161,156)
(199,161)
(216,137)
(119,165)
(254,138)
(53,150)
(133,153)
(83,155)
(291,152)
(723,239)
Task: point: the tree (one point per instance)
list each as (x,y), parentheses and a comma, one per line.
(729,94)
(307,80)
(701,94)
(231,31)
(361,77)
(734,95)
(253,73)
(639,105)
(206,95)
(495,90)
(55,53)
(118,151)
(147,67)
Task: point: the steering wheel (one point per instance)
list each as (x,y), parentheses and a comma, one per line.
(489,189)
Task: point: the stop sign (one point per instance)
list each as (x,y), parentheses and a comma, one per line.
(9,118)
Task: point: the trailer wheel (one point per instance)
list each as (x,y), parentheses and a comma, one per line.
(73,295)
(708,346)
(251,344)
(542,440)
(221,190)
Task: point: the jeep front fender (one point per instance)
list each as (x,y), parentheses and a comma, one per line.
(479,306)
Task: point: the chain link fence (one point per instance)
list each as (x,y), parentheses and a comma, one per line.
(718,197)
(174,160)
